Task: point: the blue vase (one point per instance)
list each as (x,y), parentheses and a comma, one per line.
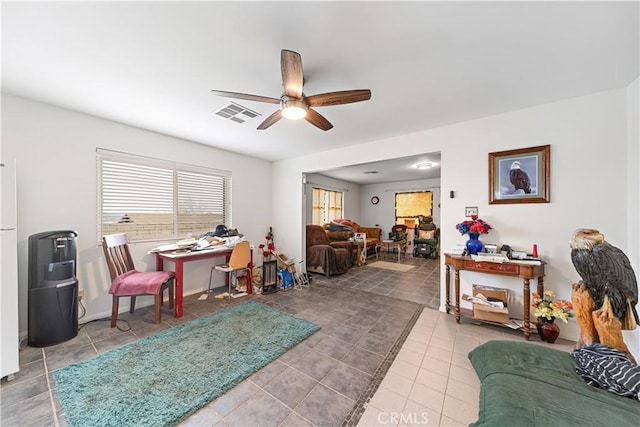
(473,244)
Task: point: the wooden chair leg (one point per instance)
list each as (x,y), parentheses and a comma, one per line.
(158,305)
(133,304)
(114,311)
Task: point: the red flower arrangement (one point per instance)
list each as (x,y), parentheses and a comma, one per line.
(269,248)
(475,225)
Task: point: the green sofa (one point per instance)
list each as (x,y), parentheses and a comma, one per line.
(525,384)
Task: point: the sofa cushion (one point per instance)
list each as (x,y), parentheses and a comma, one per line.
(524,384)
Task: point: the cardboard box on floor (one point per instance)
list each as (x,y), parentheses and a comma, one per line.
(492,314)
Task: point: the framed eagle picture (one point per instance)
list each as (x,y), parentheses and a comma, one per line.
(519,176)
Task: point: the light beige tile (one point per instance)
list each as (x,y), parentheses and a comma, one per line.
(466,376)
(415,414)
(405,369)
(459,410)
(444,332)
(397,383)
(372,417)
(413,345)
(430,317)
(388,401)
(464,345)
(439,354)
(422,329)
(435,365)
(427,397)
(410,356)
(450,422)
(443,343)
(463,391)
(461,360)
(432,380)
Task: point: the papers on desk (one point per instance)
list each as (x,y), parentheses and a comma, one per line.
(527,261)
(497,258)
(205,243)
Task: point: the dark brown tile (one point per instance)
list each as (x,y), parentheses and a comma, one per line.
(314,364)
(36,410)
(347,380)
(333,347)
(11,396)
(234,397)
(30,354)
(363,360)
(114,341)
(290,387)
(295,420)
(26,372)
(269,372)
(325,407)
(60,357)
(260,410)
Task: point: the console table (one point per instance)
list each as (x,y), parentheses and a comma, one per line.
(513,268)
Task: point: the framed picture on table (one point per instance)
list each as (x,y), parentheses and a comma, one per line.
(519,176)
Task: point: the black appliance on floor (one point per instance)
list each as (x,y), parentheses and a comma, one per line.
(53,288)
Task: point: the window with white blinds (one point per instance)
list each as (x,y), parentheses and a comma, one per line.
(326,206)
(152,199)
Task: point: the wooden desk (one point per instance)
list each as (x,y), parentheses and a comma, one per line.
(514,269)
(179,258)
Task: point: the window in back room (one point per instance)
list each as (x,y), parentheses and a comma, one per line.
(326,205)
(410,205)
(151,199)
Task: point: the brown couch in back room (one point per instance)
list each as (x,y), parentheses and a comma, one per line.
(373,233)
(327,257)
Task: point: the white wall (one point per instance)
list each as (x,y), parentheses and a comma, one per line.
(633,160)
(589,182)
(56,179)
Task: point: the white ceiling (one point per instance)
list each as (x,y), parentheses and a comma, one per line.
(428,64)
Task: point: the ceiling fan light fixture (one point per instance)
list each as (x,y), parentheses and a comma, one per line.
(293,109)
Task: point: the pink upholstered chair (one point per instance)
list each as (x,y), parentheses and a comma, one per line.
(126,281)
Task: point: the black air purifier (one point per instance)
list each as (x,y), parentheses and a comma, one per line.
(53,288)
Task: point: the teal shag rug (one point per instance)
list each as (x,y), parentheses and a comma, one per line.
(161,379)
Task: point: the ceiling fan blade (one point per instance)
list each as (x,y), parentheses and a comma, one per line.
(338,98)
(317,120)
(246,96)
(270,120)
(292,75)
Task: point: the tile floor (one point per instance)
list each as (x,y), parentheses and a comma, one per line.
(382,357)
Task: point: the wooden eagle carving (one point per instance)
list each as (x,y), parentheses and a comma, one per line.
(606,274)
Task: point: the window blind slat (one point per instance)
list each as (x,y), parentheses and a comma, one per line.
(152,200)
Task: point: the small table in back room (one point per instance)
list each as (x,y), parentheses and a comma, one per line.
(391,246)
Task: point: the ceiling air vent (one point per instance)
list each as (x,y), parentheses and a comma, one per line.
(236,113)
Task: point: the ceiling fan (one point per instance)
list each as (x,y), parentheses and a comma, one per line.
(294,104)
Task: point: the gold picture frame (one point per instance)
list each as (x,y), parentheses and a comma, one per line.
(520,176)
